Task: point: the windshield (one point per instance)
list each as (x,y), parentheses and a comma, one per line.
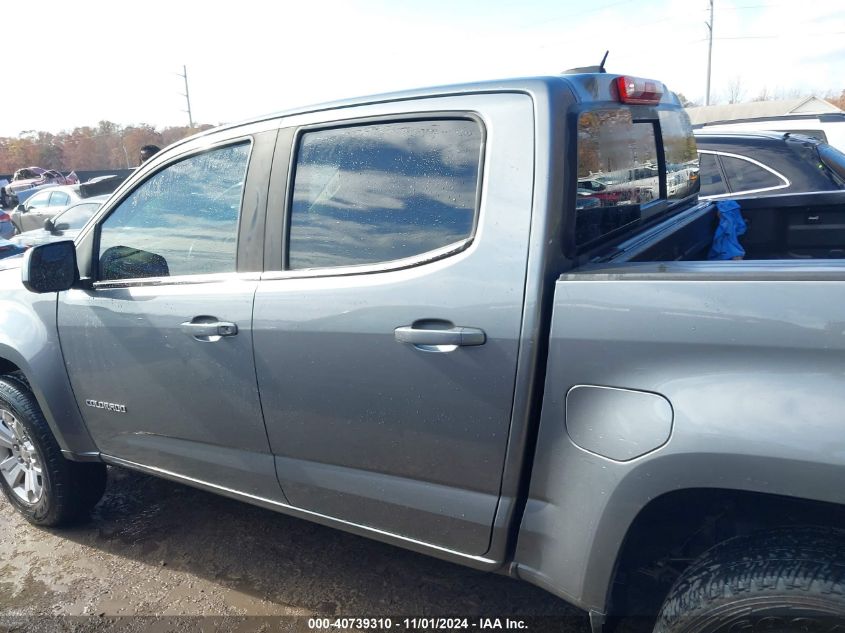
(76,217)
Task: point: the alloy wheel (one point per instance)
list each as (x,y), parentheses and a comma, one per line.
(20,462)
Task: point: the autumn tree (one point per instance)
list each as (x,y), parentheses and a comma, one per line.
(839,101)
(106,146)
(18,152)
(173,134)
(136,136)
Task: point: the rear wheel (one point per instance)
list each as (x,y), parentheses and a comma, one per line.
(778,582)
(38,481)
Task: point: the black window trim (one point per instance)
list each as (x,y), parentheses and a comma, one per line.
(420,259)
(722,175)
(785,181)
(174,279)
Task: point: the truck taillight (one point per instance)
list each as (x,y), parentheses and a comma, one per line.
(639,91)
(5,217)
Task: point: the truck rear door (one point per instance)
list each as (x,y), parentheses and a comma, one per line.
(386,335)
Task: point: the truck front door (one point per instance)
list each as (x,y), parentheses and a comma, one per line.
(159,351)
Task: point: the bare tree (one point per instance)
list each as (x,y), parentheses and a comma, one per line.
(764,95)
(684,101)
(790,93)
(735,90)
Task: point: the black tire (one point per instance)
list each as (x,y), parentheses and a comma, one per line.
(69,490)
(778,581)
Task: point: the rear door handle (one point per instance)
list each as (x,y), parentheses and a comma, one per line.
(456,336)
(208,329)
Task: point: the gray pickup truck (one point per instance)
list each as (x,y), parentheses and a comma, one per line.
(402,316)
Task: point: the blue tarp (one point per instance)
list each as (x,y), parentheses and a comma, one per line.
(731,225)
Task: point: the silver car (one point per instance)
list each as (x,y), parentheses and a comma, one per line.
(44,204)
(52,201)
(63,226)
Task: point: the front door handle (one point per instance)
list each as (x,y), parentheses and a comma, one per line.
(454,336)
(208,329)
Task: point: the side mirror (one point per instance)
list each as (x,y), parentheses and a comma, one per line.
(125,262)
(48,225)
(21,208)
(50,267)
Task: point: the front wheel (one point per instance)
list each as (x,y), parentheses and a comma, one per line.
(38,481)
(779,581)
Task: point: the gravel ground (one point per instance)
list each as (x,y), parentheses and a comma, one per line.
(156,548)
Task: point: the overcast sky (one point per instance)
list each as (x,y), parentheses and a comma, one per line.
(69,64)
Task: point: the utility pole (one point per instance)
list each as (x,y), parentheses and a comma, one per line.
(709,55)
(187,96)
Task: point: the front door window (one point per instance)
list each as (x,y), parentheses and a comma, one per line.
(182,221)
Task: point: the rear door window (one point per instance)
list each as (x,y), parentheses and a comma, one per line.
(368,194)
(712,183)
(744,175)
(59,199)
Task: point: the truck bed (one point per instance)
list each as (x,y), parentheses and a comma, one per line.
(667,372)
(796,227)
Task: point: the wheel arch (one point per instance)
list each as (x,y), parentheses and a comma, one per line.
(49,383)
(8,367)
(588,511)
(674,529)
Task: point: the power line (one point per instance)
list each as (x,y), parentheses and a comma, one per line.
(753,6)
(769,37)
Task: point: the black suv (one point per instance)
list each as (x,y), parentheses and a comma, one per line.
(739,164)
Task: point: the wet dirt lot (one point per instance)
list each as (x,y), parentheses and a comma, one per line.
(156,548)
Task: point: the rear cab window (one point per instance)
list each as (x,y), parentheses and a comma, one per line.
(629,169)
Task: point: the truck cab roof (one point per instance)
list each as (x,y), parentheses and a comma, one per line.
(584,87)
